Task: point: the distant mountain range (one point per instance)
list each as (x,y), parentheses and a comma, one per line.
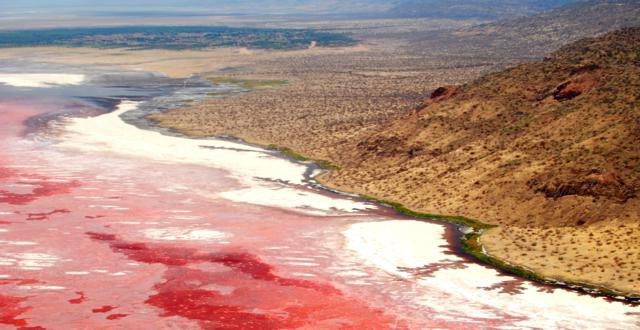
(536,35)
(486,9)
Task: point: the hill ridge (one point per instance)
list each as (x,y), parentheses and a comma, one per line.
(537,148)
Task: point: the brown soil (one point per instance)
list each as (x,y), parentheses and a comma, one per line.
(173,63)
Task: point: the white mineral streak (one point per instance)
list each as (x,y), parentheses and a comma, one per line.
(389,245)
(40,80)
(250,165)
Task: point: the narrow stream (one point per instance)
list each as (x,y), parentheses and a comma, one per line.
(108,222)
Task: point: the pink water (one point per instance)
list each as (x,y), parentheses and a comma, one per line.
(100,240)
(77,227)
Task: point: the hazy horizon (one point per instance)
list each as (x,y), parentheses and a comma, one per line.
(204,7)
(392,8)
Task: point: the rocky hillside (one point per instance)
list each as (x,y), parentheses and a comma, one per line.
(550,151)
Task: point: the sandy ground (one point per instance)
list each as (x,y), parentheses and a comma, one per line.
(342,93)
(177,64)
(602,254)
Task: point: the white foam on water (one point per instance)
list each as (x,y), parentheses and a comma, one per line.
(77,273)
(458,294)
(40,80)
(397,243)
(196,217)
(108,133)
(182,234)
(296,258)
(64,180)
(277,248)
(6,261)
(91,197)
(19,185)
(225,290)
(138,223)
(41,287)
(28,261)
(303,274)
(24,166)
(105,207)
(352,273)
(294,199)
(18,243)
(142,195)
(304,264)
(33,180)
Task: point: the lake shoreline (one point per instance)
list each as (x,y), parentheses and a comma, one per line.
(469,243)
(420,241)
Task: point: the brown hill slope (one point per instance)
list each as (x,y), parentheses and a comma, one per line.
(550,151)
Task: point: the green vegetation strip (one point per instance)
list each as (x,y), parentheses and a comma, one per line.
(248,83)
(287,152)
(471,245)
(476,225)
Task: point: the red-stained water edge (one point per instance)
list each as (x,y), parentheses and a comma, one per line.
(104,225)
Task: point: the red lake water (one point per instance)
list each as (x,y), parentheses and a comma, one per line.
(105,225)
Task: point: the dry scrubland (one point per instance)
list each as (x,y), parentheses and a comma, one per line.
(548,151)
(605,252)
(332,96)
(177,64)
